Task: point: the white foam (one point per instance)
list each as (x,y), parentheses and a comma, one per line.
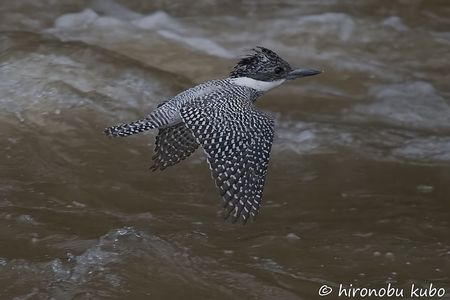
(76,20)
(109,22)
(341,24)
(170,28)
(115,10)
(199,43)
(119,18)
(425,149)
(395,22)
(157,20)
(413,104)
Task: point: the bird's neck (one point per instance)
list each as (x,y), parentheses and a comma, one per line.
(258,85)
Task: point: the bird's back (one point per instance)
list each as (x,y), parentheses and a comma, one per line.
(168,112)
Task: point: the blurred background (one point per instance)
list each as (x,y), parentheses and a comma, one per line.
(358,185)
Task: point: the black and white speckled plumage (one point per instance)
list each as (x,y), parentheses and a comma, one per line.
(237,139)
(173,144)
(220,116)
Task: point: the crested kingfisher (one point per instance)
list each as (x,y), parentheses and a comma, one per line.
(221,117)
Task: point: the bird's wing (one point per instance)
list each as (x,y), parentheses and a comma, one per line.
(237,139)
(173,144)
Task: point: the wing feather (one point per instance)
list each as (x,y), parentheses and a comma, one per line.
(237,140)
(173,144)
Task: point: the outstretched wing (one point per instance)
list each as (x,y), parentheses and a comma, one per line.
(237,139)
(173,144)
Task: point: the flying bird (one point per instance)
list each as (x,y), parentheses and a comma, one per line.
(221,117)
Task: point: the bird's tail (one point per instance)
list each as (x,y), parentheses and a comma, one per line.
(131,128)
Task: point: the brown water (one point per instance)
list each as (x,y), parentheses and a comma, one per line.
(358,190)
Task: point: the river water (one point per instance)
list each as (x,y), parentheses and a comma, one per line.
(358,190)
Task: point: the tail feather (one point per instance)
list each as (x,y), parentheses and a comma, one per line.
(131,128)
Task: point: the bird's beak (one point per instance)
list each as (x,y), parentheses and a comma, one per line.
(302,73)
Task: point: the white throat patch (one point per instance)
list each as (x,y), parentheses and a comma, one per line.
(260,86)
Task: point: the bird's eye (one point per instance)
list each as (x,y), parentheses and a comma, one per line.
(278,70)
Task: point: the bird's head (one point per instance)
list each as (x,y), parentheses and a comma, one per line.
(264,69)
